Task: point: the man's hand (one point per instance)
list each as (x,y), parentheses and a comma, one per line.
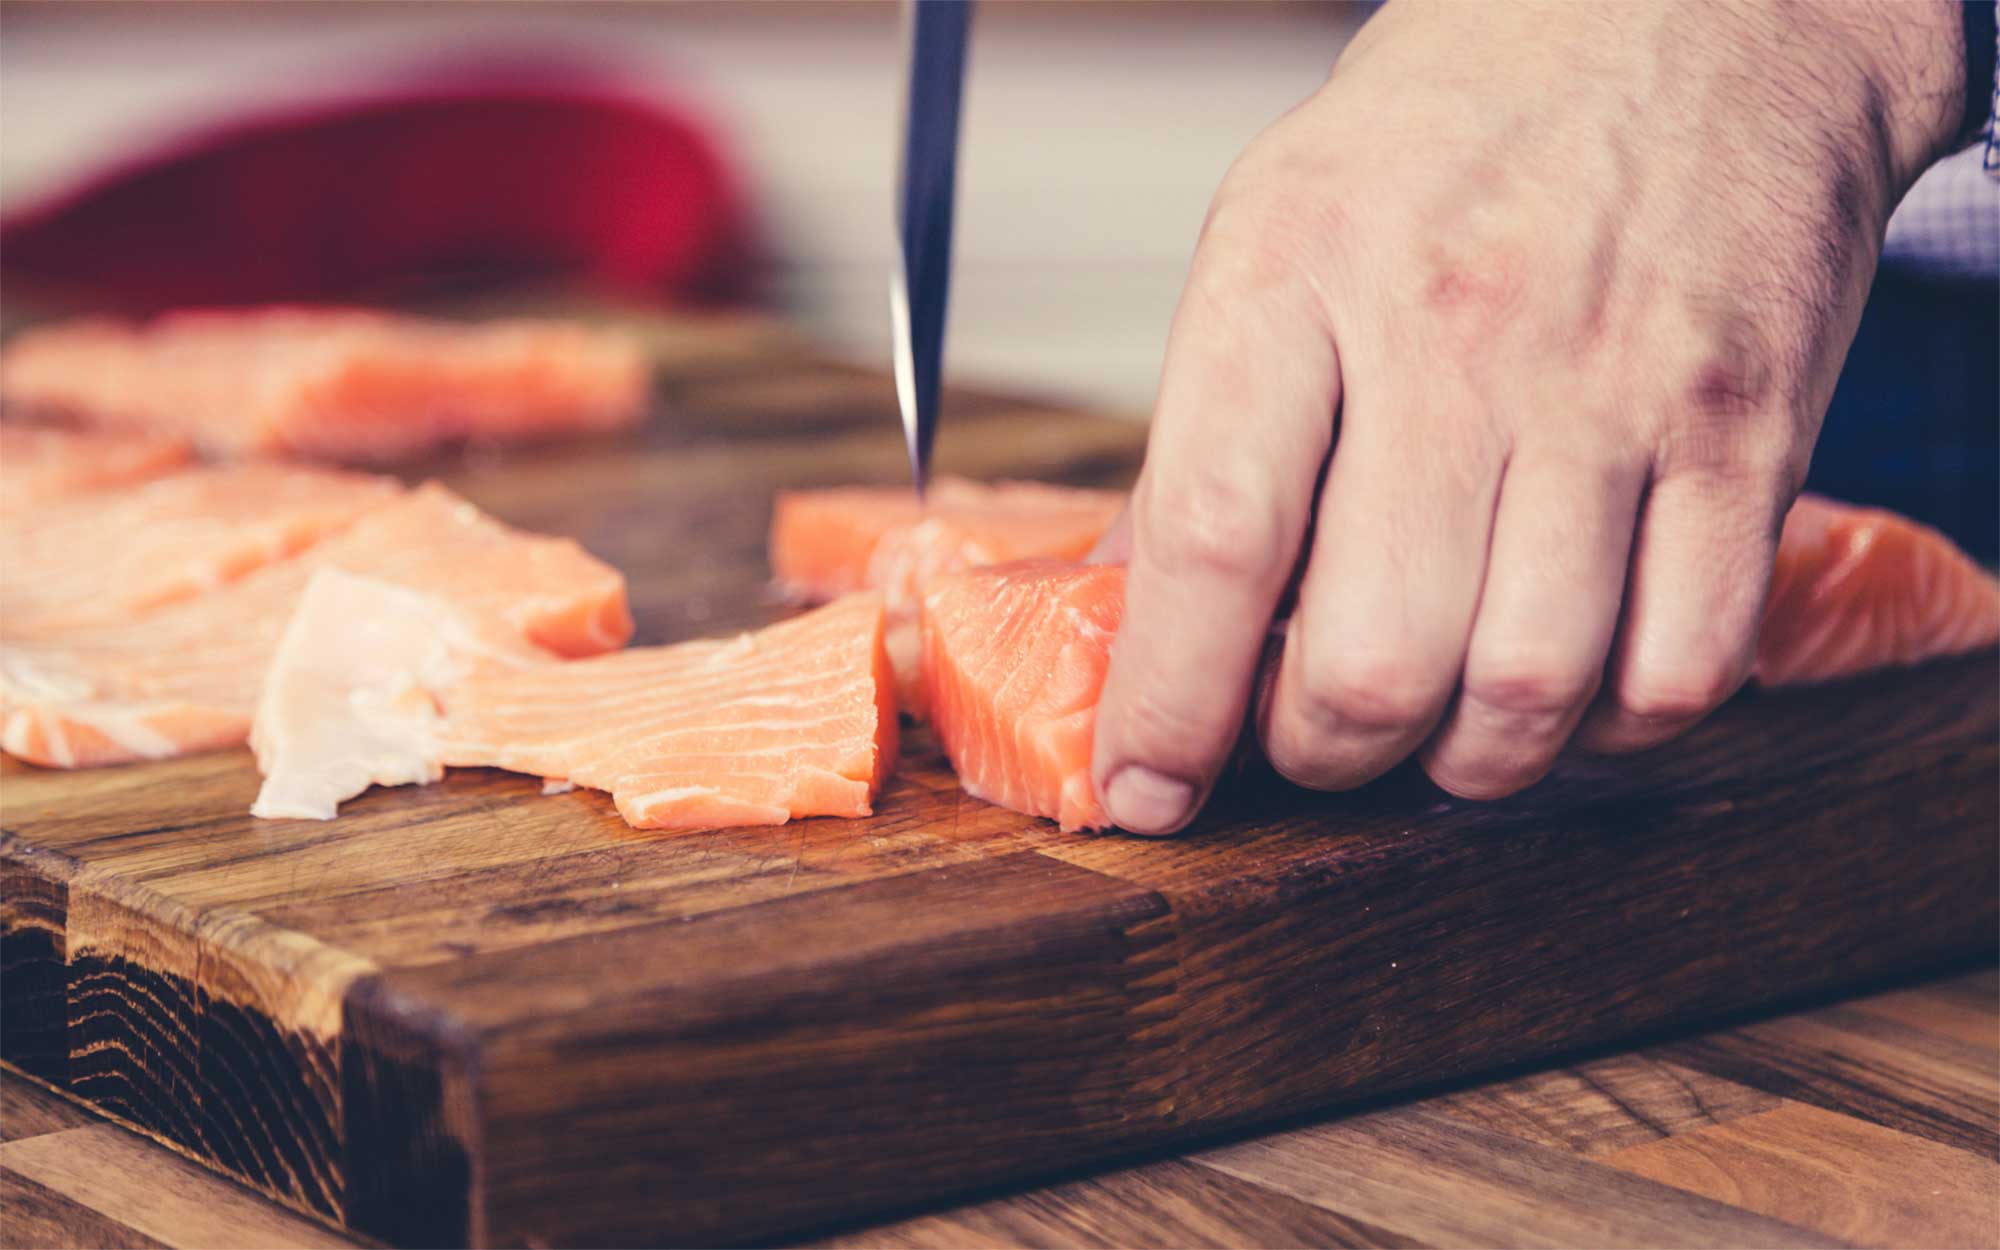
(1518,333)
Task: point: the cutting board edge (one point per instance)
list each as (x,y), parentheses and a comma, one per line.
(209,1029)
(1176,1013)
(418,1035)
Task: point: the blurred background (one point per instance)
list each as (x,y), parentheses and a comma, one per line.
(697,154)
(1094,134)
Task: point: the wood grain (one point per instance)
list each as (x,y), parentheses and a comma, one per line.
(468,1012)
(34,972)
(1448,1183)
(835,1006)
(1173,1203)
(27,1110)
(134,1003)
(1605,1105)
(1903,1078)
(1836,1174)
(1440,909)
(36,1215)
(1932,1009)
(1842,1176)
(155,1194)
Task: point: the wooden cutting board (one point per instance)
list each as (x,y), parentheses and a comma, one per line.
(469,1012)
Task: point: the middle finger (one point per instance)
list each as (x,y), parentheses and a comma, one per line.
(1561,539)
(1375,648)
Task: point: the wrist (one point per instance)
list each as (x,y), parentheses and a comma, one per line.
(1913,55)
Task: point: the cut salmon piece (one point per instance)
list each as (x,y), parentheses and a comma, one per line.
(830,542)
(1860,588)
(41,463)
(343,384)
(797,719)
(185,677)
(1014,659)
(115,554)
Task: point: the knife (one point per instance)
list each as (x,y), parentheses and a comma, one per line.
(926,187)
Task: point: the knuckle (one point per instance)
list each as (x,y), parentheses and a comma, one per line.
(1686,691)
(1529,686)
(1727,386)
(1727,367)
(1296,764)
(1485,782)
(1382,691)
(1307,769)
(1750,477)
(1247,271)
(1301,751)
(1214,523)
(1475,285)
(1733,413)
(1737,457)
(1255,243)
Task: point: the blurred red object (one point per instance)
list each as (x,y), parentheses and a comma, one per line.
(398,196)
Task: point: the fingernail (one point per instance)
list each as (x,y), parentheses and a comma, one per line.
(1140,800)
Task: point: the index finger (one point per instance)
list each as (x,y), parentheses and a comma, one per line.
(1243,423)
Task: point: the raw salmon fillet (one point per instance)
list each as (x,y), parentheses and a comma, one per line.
(797,719)
(40,463)
(1014,656)
(117,553)
(343,384)
(1860,588)
(1014,659)
(829,542)
(185,677)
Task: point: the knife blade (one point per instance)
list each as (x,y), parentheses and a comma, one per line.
(926,189)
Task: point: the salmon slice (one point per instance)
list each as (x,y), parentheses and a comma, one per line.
(830,542)
(1860,588)
(1014,656)
(343,384)
(797,719)
(1014,659)
(40,463)
(166,539)
(185,677)
(346,701)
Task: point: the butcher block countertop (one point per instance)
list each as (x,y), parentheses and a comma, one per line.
(471,1013)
